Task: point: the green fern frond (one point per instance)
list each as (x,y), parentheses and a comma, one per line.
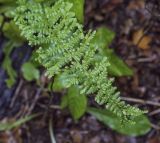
(65,48)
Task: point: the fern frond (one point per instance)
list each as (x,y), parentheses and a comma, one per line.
(65,48)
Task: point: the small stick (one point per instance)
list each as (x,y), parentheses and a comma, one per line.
(55,107)
(156,127)
(51,132)
(50,103)
(16,93)
(38,92)
(153,103)
(154,112)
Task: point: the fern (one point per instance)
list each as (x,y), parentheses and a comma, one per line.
(65,48)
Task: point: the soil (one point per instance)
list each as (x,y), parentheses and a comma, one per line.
(127,19)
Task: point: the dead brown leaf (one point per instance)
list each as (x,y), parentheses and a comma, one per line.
(141,40)
(13,136)
(154,140)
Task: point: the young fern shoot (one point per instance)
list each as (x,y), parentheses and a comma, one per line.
(65,48)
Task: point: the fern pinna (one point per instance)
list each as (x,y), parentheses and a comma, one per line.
(65,48)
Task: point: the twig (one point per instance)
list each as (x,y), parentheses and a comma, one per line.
(55,107)
(38,92)
(16,93)
(49,104)
(150,59)
(24,107)
(156,127)
(51,131)
(153,103)
(154,112)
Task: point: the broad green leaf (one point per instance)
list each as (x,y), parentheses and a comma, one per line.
(7,63)
(61,82)
(30,72)
(102,40)
(117,66)
(141,126)
(78,8)
(7,7)
(76,102)
(12,32)
(64,101)
(1,20)
(11,125)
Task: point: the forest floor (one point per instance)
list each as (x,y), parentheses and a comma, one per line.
(127,19)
